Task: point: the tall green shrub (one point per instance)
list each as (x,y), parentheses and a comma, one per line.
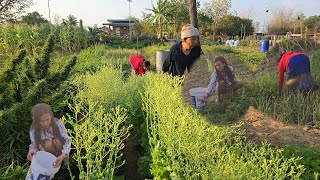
(7,77)
(42,64)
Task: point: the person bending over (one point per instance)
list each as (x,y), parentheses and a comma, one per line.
(297,66)
(139,65)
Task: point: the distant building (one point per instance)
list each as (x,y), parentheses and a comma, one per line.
(120,27)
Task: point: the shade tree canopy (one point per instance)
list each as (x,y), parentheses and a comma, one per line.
(33,18)
(10,10)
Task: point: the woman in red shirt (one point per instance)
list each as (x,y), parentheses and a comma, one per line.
(139,65)
(297,66)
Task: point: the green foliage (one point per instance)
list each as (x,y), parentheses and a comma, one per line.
(250,57)
(288,108)
(70,21)
(97,137)
(8,82)
(313,23)
(24,91)
(150,52)
(206,24)
(67,39)
(42,64)
(13,172)
(298,45)
(96,94)
(232,25)
(108,88)
(10,10)
(9,73)
(123,42)
(229,110)
(216,10)
(161,12)
(184,145)
(250,43)
(310,159)
(57,78)
(93,58)
(165,17)
(15,122)
(33,18)
(180,143)
(209,43)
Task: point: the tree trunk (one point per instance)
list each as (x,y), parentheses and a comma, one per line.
(193,15)
(160,22)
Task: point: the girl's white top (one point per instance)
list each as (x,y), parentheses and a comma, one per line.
(214,79)
(48,134)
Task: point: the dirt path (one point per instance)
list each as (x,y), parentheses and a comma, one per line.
(259,127)
(131,153)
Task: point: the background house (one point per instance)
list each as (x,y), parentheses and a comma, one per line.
(120,27)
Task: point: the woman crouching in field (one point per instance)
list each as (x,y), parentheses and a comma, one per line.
(222,80)
(47,133)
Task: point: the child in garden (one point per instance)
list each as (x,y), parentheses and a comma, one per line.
(299,78)
(47,133)
(139,65)
(222,80)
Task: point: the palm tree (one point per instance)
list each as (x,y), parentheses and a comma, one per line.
(70,21)
(160,13)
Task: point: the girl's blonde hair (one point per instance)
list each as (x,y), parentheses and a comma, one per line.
(37,111)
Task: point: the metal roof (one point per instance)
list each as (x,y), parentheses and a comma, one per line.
(118,20)
(118,24)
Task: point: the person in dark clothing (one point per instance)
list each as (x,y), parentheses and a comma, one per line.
(299,78)
(183,54)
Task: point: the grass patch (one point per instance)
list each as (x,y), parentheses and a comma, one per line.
(310,159)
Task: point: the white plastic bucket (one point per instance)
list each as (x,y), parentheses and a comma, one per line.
(197,97)
(42,166)
(161,56)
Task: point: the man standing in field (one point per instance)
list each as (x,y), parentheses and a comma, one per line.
(139,65)
(299,78)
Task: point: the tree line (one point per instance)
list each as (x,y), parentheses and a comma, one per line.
(168,16)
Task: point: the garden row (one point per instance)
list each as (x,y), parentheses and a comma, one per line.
(101,107)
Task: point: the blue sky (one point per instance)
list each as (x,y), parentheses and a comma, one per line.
(98,11)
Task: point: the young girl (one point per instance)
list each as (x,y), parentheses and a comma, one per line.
(222,80)
(47,133)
